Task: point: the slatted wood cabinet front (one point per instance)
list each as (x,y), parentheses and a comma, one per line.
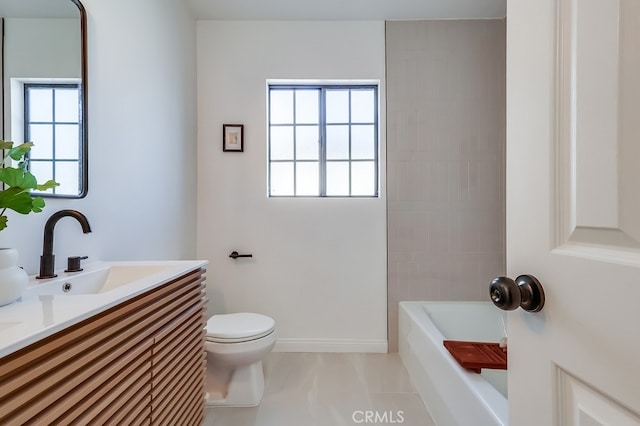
(139,363)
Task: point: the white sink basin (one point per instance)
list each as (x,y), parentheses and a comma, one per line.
(7,325)
(97,278)
(49,306)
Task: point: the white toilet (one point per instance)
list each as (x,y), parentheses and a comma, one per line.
(236,344)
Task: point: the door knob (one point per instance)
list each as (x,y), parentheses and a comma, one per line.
(526,292)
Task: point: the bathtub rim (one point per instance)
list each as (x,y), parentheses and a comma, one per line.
(495,404)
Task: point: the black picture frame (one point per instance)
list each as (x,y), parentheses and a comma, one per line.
(233,137)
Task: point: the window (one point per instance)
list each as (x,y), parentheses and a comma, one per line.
(323,141)
(52,123)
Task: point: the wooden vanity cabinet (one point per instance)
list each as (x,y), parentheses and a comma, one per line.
(139,363)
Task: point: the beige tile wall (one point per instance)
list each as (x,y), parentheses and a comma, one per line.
(445,160)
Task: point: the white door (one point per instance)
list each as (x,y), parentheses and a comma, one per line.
(573,210)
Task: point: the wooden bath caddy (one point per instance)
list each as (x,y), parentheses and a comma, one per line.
(475,356)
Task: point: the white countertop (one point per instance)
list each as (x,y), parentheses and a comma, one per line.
(36,316)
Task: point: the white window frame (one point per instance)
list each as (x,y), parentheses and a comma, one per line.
(19,130)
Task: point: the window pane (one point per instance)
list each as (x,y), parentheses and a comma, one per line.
(323,141)
(307,143)
(337,178)
(362,106)
(281,143)
(43,171)
(363,178)
(67,176)
(282,179)
(337,142)
(41,105)
(67,141)
(52,123)
(337,106)
(307,179)
(67,105)
(363,142)
(281,108)
(307,106)
(42,137)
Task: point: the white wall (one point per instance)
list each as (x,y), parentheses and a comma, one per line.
(319,265)
(53,47)
(142,132)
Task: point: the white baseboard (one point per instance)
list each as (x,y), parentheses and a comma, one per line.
(330,345)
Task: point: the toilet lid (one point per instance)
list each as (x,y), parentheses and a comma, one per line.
(242,325)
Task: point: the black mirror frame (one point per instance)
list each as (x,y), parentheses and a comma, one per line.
(84,164)
(84,161)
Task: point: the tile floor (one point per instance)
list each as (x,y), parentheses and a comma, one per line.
(325,389)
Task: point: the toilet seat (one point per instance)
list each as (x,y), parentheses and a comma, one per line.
(238,327)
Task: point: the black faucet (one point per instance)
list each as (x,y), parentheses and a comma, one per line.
(47,260)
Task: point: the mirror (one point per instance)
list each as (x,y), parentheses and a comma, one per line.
(44,89)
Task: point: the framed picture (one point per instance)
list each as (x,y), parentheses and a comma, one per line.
(232,137)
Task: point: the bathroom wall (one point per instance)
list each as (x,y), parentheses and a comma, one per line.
(446,160)
(47,58)
(142,141)
(319,265)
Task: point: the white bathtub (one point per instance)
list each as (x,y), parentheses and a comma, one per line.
(453,395)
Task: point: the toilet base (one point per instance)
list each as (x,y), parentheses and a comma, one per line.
(244,387)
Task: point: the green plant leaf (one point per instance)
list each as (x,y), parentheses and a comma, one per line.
(15,177)
(19,151)
(18,182)
(16,199)
(47,185)
(37,204)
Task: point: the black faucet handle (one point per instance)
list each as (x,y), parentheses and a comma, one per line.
(74,263)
